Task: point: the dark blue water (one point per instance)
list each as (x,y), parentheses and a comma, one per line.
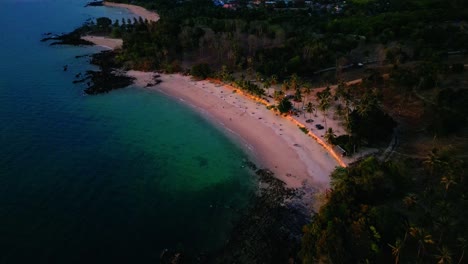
(108,178)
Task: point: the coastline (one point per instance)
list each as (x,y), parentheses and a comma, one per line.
(273,141)
(108,43)
(112,43)
(137,10)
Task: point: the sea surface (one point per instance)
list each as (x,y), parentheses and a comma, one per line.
(110,178)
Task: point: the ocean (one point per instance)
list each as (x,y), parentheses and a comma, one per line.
(117,177)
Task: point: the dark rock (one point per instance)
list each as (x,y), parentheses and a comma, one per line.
(72,38)
(82,56)
(83,80)
(270,230)
(95,3)
(105,81)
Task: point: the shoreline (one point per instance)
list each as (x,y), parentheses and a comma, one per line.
(105,42)
(137,10)
(273,141)
(112,43)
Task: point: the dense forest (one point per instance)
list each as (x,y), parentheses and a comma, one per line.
(285,41)
(391,212)
(408,207)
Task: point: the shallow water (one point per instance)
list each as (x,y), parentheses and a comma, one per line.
(114,177)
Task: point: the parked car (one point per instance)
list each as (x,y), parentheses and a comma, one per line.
(309,120)
(319,126)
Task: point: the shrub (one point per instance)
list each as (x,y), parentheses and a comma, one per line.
(284,106)
(305,130)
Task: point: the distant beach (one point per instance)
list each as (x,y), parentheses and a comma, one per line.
(137,10)
(109,43)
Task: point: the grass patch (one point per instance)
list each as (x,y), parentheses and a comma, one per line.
(303,129)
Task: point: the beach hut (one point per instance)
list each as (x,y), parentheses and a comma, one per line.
(339,150)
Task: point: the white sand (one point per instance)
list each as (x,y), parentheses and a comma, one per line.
(273,141)
(106,42)
(112,43)
(137,10)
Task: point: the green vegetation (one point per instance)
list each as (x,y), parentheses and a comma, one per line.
(284,106)
(201,71)
(250,87)
(304,129)
(375,213)
(391,209)
(281,43)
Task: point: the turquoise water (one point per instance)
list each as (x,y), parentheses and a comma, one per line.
(108,178)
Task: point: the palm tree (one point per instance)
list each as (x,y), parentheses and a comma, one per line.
(422,238)
(330,135)
(397,248)
(447,181)
(339,110)
(278,95)
(294,82)
(307,88)
(324,102)
(463,244)
(298,95)
(274,79)
(366,104)
(284,106)
(310,108)
(306,92)
(267,85)
(340,91)
(285,86)
(444,256)
(324,105)
(433,161)
(410,200)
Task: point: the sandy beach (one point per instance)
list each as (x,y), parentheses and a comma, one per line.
(137,10)
(109,43)
(272,141)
